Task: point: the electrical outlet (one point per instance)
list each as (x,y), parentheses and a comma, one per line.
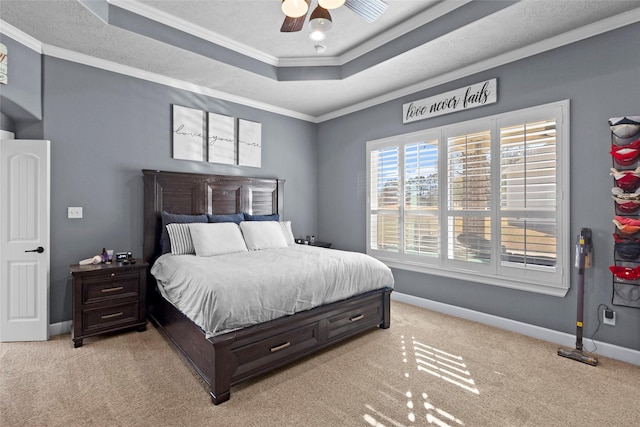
(609,317)
(74,212)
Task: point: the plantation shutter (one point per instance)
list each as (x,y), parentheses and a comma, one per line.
(528,194)
(421,225)
(385,199)
(469,197)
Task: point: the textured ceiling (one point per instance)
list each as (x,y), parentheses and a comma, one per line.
(234,47)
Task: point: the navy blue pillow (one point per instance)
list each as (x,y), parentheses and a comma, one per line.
(273,217)
(169,218)
(237,218)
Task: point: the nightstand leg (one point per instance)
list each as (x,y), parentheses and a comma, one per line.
(77,342)
(142,328)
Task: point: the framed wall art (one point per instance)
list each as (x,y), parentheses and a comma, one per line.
(221,139)
(188,131)
(249,143)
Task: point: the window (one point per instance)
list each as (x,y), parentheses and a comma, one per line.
(482,200)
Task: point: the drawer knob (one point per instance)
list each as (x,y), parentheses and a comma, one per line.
(280,347)
(113,274)
(356,318)
(117,288)
(110,316)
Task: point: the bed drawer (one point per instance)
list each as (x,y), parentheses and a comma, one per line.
(270,351)
(108,317)
(115,285)
(354,320)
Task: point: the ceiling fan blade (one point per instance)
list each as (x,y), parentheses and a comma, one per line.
(291,25)
(369,10)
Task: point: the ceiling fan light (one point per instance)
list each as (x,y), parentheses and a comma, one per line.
(331,4)
(295,8)
(320,20)
(317,36)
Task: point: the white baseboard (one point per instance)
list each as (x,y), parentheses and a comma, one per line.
(562,338)
(59,328)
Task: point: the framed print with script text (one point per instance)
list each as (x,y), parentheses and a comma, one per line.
(188,131)
(249,143)
(221,139)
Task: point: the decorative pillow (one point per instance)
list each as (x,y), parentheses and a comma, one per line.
(263,235)
(169,218)
(180,237)
(237,218)
(273,217)
(217,238)
(286,231)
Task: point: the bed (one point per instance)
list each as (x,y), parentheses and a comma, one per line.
(231,356)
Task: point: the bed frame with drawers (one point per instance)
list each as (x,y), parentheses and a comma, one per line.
(228,359)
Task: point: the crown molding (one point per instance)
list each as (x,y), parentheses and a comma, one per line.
(106,65)
(19,36)
(605,25)
(423,18)
(591,30)
(164,18)
(417,21)
(381,39)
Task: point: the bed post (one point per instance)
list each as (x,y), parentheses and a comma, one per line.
(386,304)
(222,371)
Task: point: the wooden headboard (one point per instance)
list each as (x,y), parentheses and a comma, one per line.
(188,193)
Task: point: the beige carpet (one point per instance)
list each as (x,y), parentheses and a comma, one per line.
(427,368)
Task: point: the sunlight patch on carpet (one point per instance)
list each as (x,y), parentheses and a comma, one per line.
(443,365)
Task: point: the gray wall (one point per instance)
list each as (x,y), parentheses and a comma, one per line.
(601,77)
(105,128)
(20,99)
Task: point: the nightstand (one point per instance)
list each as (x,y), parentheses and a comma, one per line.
(316,243)
(320,244)
(108,298)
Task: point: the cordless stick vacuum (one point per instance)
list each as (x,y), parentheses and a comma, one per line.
(583,260)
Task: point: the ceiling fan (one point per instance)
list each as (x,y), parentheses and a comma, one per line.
(296,13)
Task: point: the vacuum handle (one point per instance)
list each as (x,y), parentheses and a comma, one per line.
(584,249)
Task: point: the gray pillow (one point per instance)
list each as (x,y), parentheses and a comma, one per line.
(168,218)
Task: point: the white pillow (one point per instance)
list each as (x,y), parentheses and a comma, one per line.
(180,238)
(216,238)
(263,235)
(286,231)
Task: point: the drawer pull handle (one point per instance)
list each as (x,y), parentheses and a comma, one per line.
(117,288)
(280,347)
(356,318)
(109,316)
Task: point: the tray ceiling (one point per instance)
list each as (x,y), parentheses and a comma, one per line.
(234,49)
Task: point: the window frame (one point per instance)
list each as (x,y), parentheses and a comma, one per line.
(544,280)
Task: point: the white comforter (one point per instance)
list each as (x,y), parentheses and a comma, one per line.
(226,292)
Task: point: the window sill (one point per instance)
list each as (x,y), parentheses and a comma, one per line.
(551,290)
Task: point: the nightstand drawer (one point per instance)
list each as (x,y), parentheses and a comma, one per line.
(116,285)
(108,317)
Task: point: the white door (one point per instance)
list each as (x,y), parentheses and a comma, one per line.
(24,240)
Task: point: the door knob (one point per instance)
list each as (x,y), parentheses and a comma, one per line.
(39,249)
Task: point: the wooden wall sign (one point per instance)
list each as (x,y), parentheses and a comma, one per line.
(476,95)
